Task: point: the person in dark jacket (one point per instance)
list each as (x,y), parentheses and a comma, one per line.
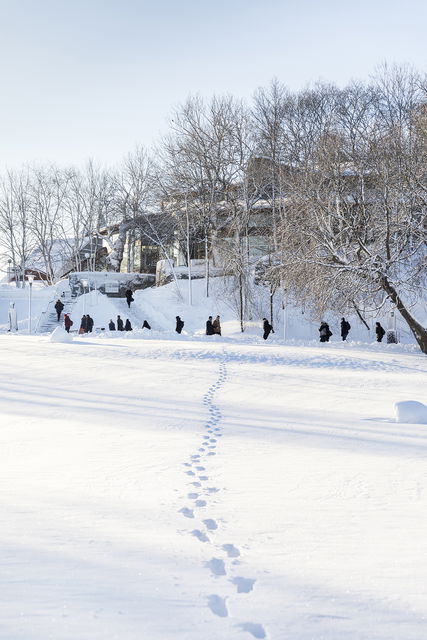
(129,297)
(209,327)
(111,326)
(120,326)
(83,324)
(345,328)
(179,324)
(324,332)
(68,323)
(128,326)
(145,325)
(379,331)
(217,326)
(89,323)
(267,328)
(59,306)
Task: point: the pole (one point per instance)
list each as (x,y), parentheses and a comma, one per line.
(206,266)
(190,293)
(29,307)
(284,305)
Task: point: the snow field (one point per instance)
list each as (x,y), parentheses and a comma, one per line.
(165,490)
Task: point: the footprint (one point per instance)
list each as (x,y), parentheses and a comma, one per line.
(200,503)
(210,524)
(201,468)
(212,440)
(204,477)
(212,446)
(201,449)
(196,484)
(217,605)
(196,456)
(244,585)
(187,464)
(211,453)
(216,565)
(192,496)
(190,473)
(257,630)
(212,490)
(188,513)
(231,550)
(200,535)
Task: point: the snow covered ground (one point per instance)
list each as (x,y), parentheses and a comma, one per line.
(203,487)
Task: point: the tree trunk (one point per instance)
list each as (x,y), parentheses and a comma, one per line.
(418,331)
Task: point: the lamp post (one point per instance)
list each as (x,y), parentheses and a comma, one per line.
(30,282)
(8,275)
(84,283)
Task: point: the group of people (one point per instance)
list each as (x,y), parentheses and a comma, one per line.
(213,327)
(325,333)
(124,326)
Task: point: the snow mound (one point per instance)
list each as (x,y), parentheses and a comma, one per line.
(60,335)
(411,411)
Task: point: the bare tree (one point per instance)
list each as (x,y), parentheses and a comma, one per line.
(15,221)
(357,219)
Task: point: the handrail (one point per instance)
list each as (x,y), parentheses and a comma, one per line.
(42,315)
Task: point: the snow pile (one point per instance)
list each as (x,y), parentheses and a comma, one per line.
(411,411)
(60,335)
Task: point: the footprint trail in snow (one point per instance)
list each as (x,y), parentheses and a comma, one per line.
(198,465)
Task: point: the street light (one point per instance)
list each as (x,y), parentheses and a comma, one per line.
(84,284)
(30,282)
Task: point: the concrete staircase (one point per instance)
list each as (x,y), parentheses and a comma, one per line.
(48,320)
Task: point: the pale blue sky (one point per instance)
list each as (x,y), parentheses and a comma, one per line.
(93,78)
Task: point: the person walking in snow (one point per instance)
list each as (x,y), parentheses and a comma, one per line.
(111,326)
(209,327)
(324,332)
(345,328)
(216,326)
(59,307)
(145,325)
(267,328)
(129,297)
(179,324)
(379,331)
(128,326)
(89,324)
(83,324)
(120,326)
(68,323)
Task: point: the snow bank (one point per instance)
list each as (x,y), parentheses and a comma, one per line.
(411,411)
(60,335)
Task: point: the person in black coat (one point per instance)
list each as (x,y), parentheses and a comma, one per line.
(209,327)
(267,328)
(324,332)
(120,326)
(111,326)
(145,325)
(128,326)
(59,306)
(379,331)
(83,324)
(89,323)
(179,324)
(345,328)
(129,297)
